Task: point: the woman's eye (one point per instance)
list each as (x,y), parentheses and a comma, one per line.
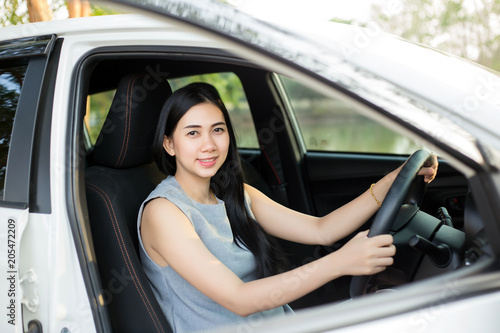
(219,130)
(192,133)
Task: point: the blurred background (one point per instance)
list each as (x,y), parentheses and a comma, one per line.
(466,28)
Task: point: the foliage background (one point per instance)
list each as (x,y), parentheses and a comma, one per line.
(467,28)
(13,12)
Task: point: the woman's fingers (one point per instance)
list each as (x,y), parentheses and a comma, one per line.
(365,255)
(430,170)
(382,240)
(387,251)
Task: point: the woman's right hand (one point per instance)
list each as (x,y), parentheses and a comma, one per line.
(364,255)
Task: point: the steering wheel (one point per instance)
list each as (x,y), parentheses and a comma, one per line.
(406,186)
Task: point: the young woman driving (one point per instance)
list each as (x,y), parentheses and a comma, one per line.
(204,233)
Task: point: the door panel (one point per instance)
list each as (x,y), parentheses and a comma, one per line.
(334,179)
(23,64)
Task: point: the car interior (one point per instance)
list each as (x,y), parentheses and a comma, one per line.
(118,171)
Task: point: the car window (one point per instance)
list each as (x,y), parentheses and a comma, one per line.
(228,85)
(329,124)
(231,91)
(11,81)
(98,108)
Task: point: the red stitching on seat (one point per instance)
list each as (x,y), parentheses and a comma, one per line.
(126,258)
(272,166)
(128,120)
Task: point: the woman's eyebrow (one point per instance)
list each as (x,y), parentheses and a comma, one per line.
(213,125)
(192,126)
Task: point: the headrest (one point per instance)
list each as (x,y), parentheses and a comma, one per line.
(127,136)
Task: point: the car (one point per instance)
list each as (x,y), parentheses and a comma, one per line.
(321,112)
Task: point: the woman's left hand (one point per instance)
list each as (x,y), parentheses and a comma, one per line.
(429,171)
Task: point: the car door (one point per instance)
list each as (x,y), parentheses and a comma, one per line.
(24,166)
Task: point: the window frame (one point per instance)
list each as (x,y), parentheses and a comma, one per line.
(23,159)
(288,109)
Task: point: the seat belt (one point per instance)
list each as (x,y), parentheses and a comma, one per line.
(269,147)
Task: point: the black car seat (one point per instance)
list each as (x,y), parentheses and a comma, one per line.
(120,176)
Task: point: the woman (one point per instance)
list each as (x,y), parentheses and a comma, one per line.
(209,261)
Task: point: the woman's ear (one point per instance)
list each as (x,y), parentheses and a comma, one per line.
(168,145)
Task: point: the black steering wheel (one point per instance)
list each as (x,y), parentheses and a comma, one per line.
(407,187)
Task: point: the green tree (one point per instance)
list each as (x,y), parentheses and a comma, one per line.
(467,28)
(13,12)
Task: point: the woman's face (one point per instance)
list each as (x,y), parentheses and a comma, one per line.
(200,142)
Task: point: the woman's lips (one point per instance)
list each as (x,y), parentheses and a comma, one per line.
(207,162)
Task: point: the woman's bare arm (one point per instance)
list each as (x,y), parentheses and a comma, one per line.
(288,224)
(173,241)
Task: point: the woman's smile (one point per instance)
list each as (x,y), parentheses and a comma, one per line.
(209,162)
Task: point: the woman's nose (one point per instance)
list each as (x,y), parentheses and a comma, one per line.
(208,144)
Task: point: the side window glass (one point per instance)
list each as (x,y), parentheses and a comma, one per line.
(98,107)
(231,91)
(327,124)
(11,81)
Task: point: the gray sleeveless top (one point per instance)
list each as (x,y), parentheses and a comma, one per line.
(186,308)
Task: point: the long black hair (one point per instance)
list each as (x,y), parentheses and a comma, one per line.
(227,183)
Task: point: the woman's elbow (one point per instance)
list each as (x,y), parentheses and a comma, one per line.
(323,239)
(240,309)
(244,314)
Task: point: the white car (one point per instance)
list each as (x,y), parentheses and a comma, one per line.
(320,112)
